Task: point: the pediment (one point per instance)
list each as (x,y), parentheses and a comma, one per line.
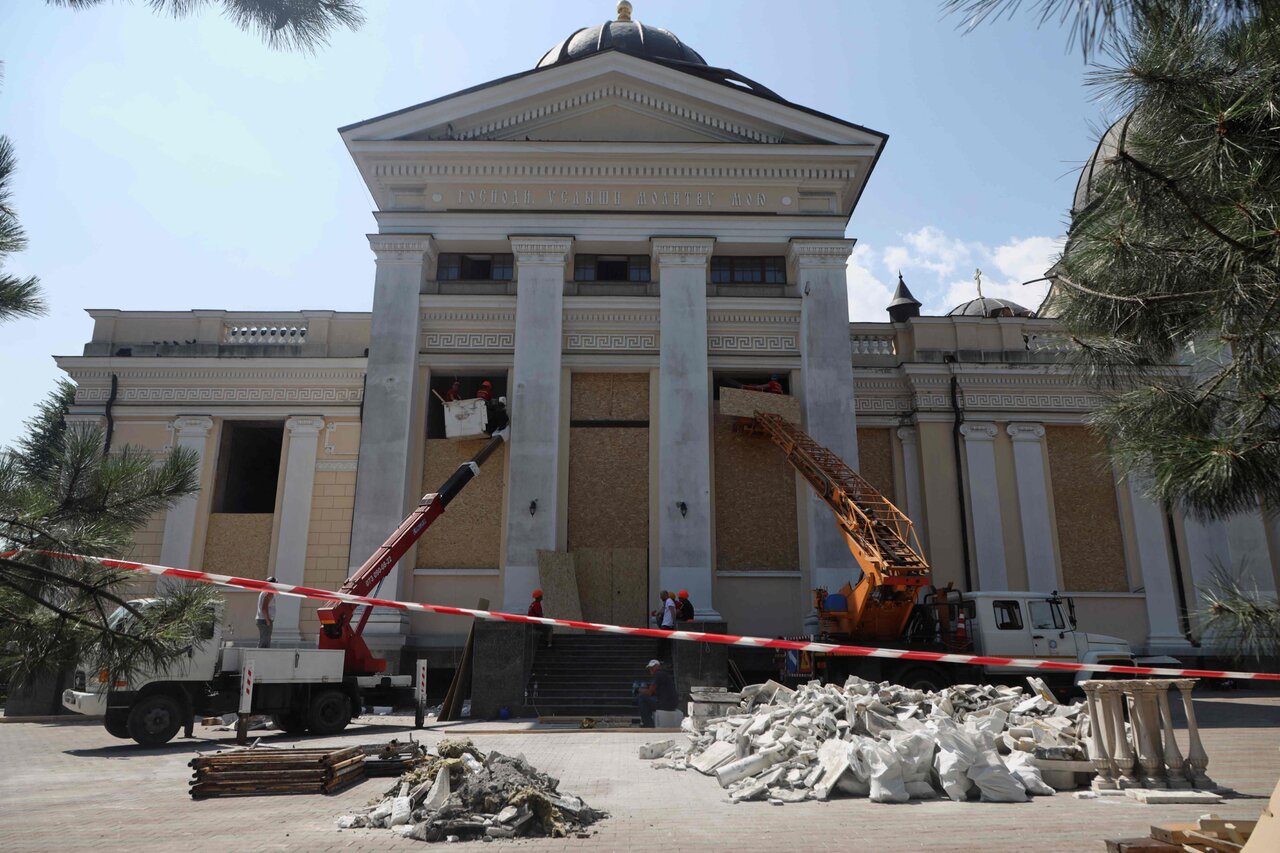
(581,101)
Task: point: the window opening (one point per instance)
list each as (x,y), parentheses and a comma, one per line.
(748,269)
(633,268)
(1008,615)
(248,468)
(1045,615)
(456,266)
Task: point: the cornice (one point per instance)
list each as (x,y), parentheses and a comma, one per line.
(395,172)
(806,254)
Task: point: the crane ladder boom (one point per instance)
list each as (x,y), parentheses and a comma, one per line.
(879,534)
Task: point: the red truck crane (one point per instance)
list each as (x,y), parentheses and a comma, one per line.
(338,630)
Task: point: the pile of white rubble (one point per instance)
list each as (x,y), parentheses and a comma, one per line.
(882,741)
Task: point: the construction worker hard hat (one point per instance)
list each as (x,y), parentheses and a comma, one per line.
(684,593)
(486,384)
(537,593)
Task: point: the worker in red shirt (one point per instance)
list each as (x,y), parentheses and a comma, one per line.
(454,393)
(535,609)
(684,607)
(486,391)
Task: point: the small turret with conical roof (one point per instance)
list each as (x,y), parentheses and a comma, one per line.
(904,306)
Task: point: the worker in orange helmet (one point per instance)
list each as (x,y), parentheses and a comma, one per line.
(486,391)
(684,607)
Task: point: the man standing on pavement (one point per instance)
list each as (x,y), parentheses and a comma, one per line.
(659,695)
(265,616)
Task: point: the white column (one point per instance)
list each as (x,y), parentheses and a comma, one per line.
(1164,633)
(984,505)
(384,483)
(1207,551)
(534,401)
(295,522)
(818,272)
(180,521)
(1033,506)
(684,428)
(910,439)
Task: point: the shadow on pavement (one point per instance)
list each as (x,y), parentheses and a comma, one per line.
(226,740)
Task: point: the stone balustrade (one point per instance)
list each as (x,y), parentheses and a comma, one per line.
(1132,743)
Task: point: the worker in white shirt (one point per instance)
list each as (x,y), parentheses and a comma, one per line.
(265,616)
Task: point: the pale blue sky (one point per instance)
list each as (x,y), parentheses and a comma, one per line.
(182,164)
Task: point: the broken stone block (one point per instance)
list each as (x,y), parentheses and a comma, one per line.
(715,755)
(656,749)
(743,767)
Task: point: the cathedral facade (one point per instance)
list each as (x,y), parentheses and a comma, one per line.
(609,239)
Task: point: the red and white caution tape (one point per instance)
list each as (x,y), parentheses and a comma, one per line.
(693,636)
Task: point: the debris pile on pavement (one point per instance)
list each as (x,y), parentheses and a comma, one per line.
(882,741)
(460,794)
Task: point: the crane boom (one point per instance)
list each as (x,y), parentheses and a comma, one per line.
(880,536)
(337,631)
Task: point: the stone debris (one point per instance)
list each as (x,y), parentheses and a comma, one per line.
(460,794)
(772,743)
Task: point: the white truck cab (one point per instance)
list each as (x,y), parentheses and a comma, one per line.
(1039,625)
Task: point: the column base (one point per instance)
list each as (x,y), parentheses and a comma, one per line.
(706,615)
(1168,645)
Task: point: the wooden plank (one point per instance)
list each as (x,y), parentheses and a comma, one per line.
(558,579)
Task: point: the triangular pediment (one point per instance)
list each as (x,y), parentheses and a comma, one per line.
(582,100)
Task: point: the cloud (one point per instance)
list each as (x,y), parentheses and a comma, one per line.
(868,295)
(938,267)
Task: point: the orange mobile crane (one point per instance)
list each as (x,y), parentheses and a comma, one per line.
(880,536)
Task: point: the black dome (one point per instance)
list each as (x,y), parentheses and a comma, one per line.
(989,306)
(624,35)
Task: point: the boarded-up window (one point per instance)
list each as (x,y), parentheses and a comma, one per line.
(875,460)
(1088,519)
(468,535)
(755,503)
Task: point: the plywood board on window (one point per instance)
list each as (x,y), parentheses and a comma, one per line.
(630,586)
(594,569)
(755,507)
(608,503)
(468,535)
(238,543)
(875,460)
(558,580)
(609,397)
(734,401)
(1088,519)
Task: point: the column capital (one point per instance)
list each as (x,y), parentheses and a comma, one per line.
(805,253)
(908,435)
(195,427)
(84,420)
(1025,432)
(402,248)
(978,431)
(304,425)
(541,251)
(682,251)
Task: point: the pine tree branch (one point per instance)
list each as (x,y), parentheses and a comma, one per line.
(59,578)
(1172,186)
(53,608)
(1138,300)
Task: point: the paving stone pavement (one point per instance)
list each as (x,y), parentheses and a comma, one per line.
(74,787)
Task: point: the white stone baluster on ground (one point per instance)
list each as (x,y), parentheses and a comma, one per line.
(1197,759)
(1173,760)
(1099,755)
(1146,696)
(1120,746)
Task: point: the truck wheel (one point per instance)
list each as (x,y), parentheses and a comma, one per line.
(329,713)
(155,719)
(290,722)
(117,724)
(924,678)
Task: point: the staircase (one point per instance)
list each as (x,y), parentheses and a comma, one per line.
(589,675)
